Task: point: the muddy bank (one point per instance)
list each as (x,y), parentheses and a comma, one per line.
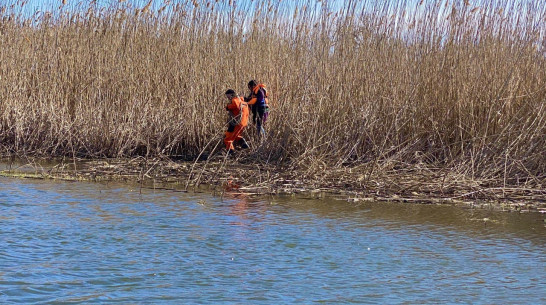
(367,182)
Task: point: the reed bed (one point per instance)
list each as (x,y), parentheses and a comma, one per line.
(457,85)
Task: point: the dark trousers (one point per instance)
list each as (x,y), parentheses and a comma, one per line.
(259,117)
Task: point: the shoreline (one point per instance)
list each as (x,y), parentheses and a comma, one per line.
(360,183)
(362,107)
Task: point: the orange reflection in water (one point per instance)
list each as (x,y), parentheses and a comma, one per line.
(243,206)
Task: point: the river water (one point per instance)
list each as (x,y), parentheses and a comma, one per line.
(79,242)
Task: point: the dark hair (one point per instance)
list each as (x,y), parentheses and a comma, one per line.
(230,91)
(252,83)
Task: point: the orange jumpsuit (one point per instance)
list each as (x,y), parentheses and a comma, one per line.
(238,110)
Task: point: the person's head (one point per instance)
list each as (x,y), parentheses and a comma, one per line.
(252,84)
(230,94)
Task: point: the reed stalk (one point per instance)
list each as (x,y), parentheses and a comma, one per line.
(460,84)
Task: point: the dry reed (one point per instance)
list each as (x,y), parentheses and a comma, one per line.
(459,85)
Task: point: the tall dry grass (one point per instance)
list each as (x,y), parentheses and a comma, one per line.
(460,84)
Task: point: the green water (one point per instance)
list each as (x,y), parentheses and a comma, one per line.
(77,242)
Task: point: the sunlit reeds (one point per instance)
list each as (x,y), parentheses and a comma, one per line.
(460,84)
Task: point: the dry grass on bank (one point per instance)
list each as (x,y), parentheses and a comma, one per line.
(457,84)
(237,179)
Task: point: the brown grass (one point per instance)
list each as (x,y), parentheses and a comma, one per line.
(460,85)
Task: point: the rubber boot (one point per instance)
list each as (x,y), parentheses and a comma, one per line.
(244,144)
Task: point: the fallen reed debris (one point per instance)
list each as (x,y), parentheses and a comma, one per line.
(221,175)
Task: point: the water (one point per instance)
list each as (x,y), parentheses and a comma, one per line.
(66,242)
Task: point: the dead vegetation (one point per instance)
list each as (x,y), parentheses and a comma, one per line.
(381,96)
(238,177)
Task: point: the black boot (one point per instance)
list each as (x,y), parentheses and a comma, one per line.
(244,144)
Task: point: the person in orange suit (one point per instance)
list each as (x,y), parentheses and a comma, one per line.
(238,113)
(259,102)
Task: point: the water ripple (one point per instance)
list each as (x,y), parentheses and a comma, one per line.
(97,243)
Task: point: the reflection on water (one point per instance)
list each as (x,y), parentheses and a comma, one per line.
(104,243)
